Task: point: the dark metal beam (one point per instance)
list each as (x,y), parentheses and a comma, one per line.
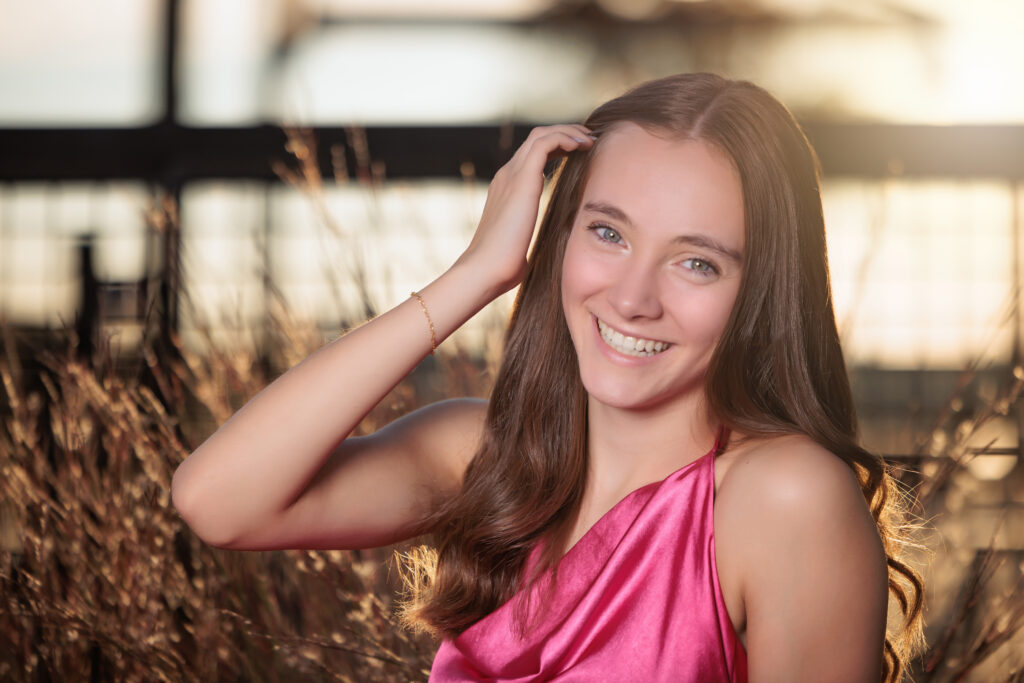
(169,67)
(883,150)
(169,179)
(166,153)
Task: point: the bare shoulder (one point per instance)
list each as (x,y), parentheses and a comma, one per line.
(787,471)
(802,560)
(787,489)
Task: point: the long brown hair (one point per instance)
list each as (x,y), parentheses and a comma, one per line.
(778,367)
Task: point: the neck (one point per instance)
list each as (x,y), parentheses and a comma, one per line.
(630,448)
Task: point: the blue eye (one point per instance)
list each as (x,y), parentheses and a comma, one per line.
(606,234)
(699,265)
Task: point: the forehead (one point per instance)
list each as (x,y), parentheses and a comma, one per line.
(663,183)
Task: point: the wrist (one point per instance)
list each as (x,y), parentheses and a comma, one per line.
(451,299)
(491,279)
(481,278)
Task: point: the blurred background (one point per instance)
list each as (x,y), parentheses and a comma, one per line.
(196,194)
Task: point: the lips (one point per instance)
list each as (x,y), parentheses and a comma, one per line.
(628,345)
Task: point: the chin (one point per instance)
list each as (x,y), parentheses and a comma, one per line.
(623,396)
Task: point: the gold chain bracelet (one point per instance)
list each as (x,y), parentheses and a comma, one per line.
(433,334)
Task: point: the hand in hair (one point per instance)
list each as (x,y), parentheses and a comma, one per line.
(513,200)
(285,470)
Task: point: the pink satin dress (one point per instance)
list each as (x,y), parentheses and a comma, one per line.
(637,599)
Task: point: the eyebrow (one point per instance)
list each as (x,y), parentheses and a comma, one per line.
(696,240)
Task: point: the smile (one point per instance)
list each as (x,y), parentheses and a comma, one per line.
(630,346)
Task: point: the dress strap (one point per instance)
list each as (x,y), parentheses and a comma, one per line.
(721,440)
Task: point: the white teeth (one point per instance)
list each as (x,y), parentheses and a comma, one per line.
(630,346)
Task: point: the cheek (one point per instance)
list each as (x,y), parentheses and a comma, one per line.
(704,314)
(721,312)
(579,274)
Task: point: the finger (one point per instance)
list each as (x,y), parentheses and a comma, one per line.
(583,129)
(553,145)
(575,130)
(550,137)
(541,132)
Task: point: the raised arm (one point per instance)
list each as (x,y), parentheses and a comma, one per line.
(281,472)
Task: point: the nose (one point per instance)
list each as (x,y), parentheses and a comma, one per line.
(636,293)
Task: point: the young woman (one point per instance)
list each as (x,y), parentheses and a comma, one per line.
(665,483)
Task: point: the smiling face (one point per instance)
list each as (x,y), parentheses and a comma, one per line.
(652,267)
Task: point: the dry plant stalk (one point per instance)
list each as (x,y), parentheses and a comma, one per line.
(99,574)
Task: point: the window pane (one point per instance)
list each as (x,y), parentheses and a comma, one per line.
(922,272)
(42,229)
(80,63)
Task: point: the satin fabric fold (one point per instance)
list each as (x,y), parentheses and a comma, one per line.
(636,599)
